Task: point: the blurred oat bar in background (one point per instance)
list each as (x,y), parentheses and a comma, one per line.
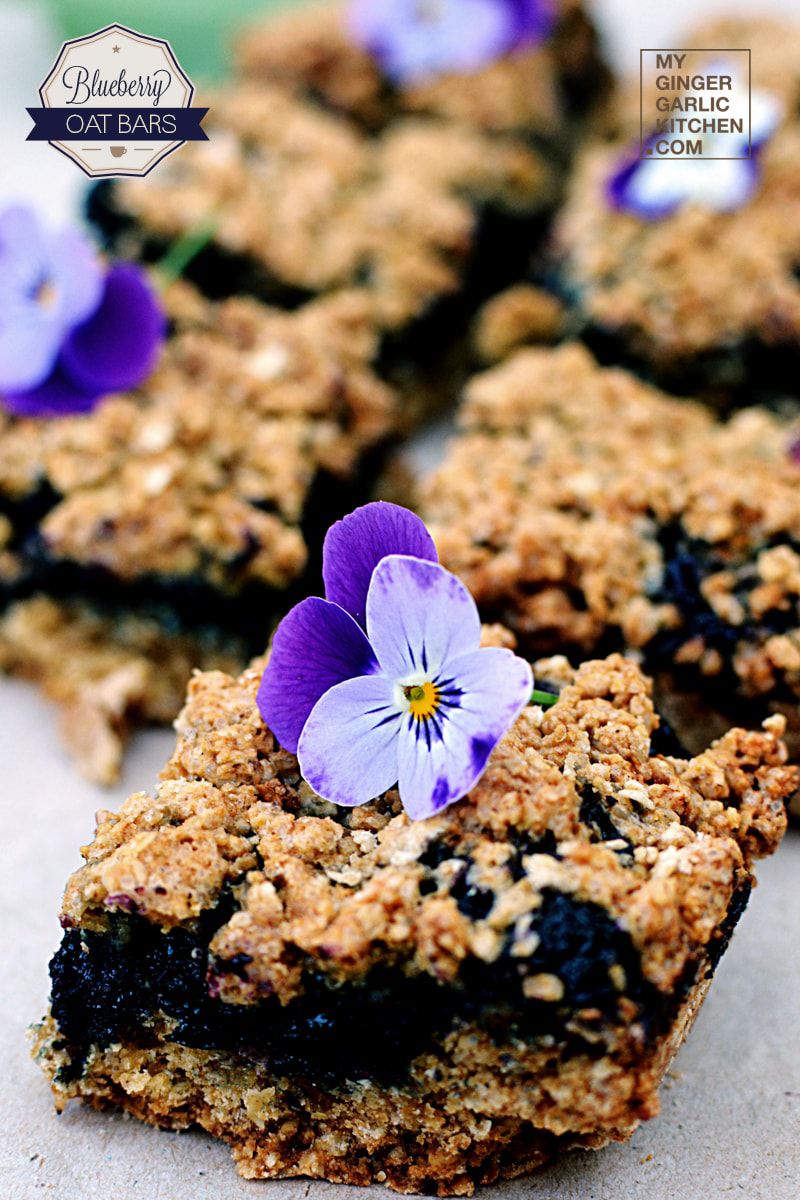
(587,511)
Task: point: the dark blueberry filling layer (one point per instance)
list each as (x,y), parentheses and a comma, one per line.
(179,605)
(504,241)
(738,904)
(723,376)
(25,513)
(473,901)
(665,742)
(595,815)
(107,987)
(688,562)
(242,615)
(584,79)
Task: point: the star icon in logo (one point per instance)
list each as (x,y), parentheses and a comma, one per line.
(115,49)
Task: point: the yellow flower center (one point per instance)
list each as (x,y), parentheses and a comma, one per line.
(46,295)
(423,700)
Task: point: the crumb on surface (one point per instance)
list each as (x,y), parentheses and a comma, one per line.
(105,674)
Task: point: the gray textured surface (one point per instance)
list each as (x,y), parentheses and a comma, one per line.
(731,1109)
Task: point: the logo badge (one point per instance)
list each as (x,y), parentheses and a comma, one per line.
(116,102)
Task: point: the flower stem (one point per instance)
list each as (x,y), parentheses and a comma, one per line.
(546,699)
(183,250)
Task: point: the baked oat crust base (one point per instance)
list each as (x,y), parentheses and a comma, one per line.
(321,893)
(409,1143)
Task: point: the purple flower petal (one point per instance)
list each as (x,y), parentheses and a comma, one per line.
(414,41)
(117,347)
(657,187)
(496,685)
(439,767)
(621,189)
(348,747)
(76,276)
(59,276)
(654,186)
(29,343)
(47,285)
(316,646)
(57,396)
(22,249)
(534,20)
(418,617)
(355,545)
(430,778)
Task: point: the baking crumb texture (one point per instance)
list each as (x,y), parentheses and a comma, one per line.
(204,473)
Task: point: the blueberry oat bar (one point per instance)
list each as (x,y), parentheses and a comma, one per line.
(108,672)
(536,91)
(170,525)
(704,297)
(301,203)
(321,171)
(350,995)
(588,511)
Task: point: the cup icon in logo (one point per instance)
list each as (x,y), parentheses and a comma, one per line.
(118,151)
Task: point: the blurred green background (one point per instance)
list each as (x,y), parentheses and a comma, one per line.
(201,31)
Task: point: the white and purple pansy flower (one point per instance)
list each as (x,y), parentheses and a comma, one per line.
(71,329)
(655,187)
(414,40)
(384,682)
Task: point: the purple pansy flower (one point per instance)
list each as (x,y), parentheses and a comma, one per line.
(384,682)
(71,331)
(417,39)
(656,187)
